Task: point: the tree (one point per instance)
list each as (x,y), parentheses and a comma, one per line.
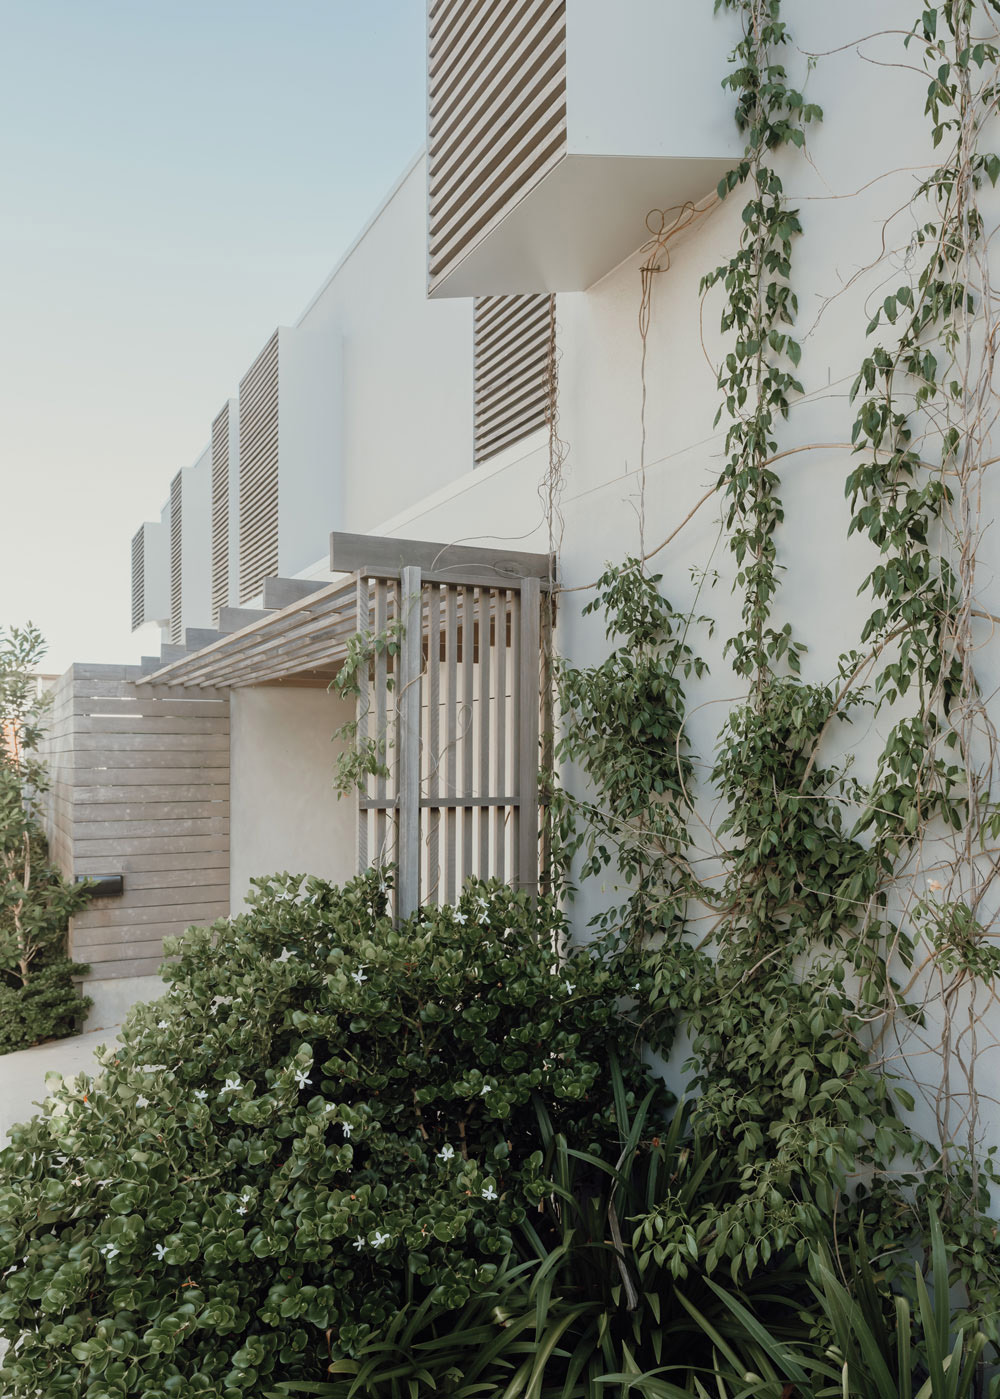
(37,996)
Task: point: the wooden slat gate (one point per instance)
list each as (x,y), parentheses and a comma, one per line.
(455,713)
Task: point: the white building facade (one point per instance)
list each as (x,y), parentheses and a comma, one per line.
(518,358)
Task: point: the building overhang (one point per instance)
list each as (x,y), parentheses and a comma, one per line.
(584,218)
(306,641)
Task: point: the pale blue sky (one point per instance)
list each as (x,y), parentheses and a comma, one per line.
(176,178)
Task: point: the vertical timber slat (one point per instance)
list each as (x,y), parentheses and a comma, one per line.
(408,710)
(434,630)
(451,741)
(528,737)
(381,720)
(468,727)
(500,714)
(363,706)
(485,668)
(515,730)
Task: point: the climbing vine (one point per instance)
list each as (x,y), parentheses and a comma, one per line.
(363,754)
(755,381)
(822,925)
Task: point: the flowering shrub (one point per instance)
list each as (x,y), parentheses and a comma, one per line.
(320,1107)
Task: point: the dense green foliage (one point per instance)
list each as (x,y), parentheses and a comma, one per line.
(38,998)
(773,885)
(409,1157)
(878,1349)
(322,1109)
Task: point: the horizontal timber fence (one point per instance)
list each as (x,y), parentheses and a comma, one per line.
(140,787)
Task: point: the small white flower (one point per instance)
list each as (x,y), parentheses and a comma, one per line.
(359,977)
(163,1024)
(380,1239)
(161,1252)
(301,1079)
(346,1128)
(285,954)
(231,1085)
(460,917)
(141,1101)
(110,1251)
(489,1192)
(486,1088)
(241,1209)
(481,902)
(200,1093)
(446,1153)
(570,987)
(359,1243)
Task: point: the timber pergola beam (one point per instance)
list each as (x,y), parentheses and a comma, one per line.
(310,634)
(382,556)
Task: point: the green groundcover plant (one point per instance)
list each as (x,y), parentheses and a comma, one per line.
(321,1108)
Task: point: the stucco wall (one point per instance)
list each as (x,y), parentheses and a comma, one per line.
(285,813)
(407,365)
(866,159)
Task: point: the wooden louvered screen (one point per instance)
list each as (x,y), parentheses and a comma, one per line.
(513,343)
(220,512)
(176,558)
(455,714)
(496,114)
(259,471)
(138,577)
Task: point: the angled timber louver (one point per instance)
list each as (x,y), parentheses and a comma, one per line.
(513,341)
(138,577)
(176,558)
(496,115)
(220,512)
(258,438)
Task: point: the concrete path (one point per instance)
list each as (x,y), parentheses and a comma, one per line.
(22,1074)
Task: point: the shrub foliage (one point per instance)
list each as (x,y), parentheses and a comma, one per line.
(38,999)
(321,1107)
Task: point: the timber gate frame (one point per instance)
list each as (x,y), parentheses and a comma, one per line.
(452,709)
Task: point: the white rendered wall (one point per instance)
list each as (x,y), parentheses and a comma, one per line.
(853,194)
(310,438)
(156,576)
(647,83)
(406,415)
(285,812)
(233,598)
(196,543)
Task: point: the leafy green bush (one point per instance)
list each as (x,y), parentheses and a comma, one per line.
(48,1006)
(38,998)
(321,1106)
(584,1302)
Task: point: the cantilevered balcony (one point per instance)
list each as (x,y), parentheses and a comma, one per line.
(556,126)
